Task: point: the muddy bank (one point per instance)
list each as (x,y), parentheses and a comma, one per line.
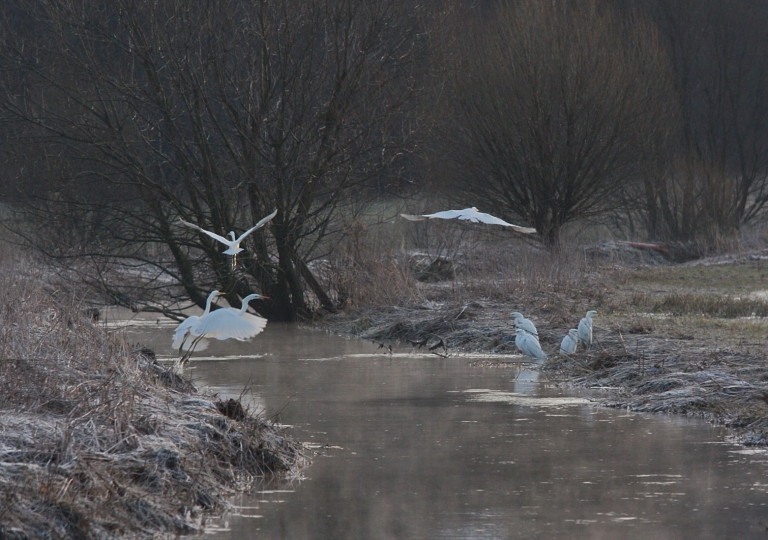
(660,365)
(99,441)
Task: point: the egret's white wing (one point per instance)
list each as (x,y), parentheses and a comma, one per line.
(226,323)
(215,236)
(259,225)
(246,327)
(413,217)
(446,214)
(183,329)
(473,216)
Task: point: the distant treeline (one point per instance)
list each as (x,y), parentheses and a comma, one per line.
(118,118)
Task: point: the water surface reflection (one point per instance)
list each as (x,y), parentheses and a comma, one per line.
(431,448)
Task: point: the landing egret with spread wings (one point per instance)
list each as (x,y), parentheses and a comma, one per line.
(585,329)
(183,330)
(528,344)
(226,323)
(233,244)
(473,215)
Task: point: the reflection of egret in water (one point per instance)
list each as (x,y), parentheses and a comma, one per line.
(525,382)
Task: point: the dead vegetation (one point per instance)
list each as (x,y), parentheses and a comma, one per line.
(683,339)
(724,386)
(98,441)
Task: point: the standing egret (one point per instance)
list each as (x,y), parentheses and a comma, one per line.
(473,215)
(525,324)
(585,329)
(568,346)
(233,244)
(528,344)
(186,327)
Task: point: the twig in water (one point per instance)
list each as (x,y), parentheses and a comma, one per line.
(418,344)
(437,345)
(383,346)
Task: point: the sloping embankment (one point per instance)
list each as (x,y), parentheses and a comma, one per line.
(99,441)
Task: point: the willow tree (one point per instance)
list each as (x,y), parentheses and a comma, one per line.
(551,108)
(123,117)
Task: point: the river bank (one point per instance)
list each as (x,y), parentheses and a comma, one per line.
(97,440)
(670,338)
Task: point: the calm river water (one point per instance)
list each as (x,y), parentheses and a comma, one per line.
(419,447)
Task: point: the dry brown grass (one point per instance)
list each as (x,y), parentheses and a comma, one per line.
(97,440)
(371,269)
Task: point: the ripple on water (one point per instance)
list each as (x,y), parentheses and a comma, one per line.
(497,396)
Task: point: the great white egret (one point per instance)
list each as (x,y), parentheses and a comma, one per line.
(568,345)
(473,215)
(585,329)
(528,344)
(233,244)
(183,330)
(221,324)
(231,323)
(525,324)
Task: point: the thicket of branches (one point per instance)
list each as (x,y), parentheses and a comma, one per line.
(552,109)
(127,116)
(119,118)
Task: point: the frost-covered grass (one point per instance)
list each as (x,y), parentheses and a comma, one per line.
(97,440)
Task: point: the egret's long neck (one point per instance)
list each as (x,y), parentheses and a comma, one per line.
(247,299)
(208,302)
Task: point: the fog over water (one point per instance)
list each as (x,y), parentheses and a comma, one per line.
(422,447)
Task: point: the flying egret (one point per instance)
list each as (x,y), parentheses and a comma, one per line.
(525,324)
(233,244)
(528,344)
(585,329)
(568,346)
(184,329)
(473,215)
(221,324)
(231,323)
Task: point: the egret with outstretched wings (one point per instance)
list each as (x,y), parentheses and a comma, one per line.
(232,243)
(473,215)
(226,323)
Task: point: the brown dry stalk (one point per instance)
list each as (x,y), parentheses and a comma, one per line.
(98,440)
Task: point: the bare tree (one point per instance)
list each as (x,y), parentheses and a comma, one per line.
(147,111)
(717,173)
(552,108)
